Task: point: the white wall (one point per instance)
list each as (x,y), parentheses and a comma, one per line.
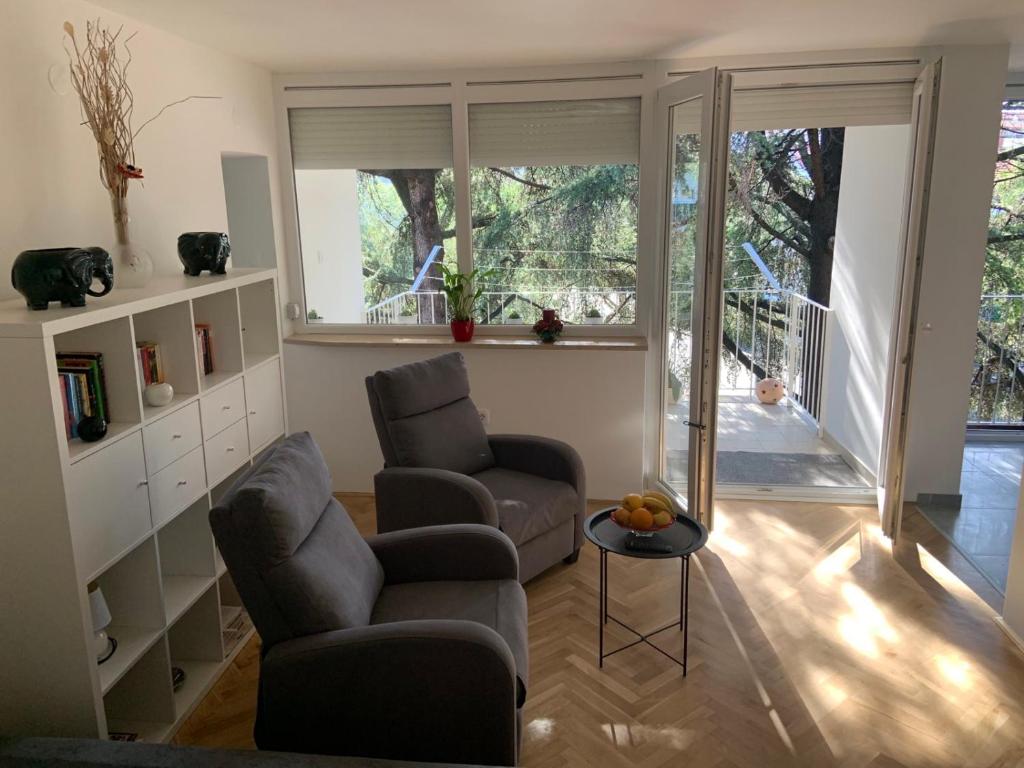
(590,399)
(863,283)
(51,195)
(332,249)
(1013,605)
(247,194)
(973,79)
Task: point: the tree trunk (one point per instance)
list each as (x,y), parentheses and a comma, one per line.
(426,233)
(417,189)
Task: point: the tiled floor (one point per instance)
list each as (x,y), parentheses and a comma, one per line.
(744,424)
(982,528)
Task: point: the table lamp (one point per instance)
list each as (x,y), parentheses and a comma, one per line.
(103,645)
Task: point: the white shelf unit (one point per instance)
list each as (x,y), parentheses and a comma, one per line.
(130,511)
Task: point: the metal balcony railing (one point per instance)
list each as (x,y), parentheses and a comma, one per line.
(997,383)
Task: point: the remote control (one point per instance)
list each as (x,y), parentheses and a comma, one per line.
(653,546)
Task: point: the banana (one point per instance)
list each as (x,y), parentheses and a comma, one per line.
(665,500)
(656,505)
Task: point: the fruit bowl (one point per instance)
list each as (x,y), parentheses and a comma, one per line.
(643,514)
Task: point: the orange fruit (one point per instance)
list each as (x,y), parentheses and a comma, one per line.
(621,516)
(632,501)
(641,519)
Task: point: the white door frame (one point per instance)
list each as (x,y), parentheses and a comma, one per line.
(907,300)
(714,88)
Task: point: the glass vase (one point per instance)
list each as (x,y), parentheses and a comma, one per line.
(133,266)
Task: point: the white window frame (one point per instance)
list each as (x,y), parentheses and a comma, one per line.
(460,88)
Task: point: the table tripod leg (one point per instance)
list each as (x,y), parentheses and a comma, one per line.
(604,586)
(684,591)
(600,609)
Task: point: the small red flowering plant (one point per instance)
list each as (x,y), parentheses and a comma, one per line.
(548,327)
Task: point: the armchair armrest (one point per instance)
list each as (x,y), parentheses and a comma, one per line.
(411,497)
(446,553)
(439,691)
(540,456)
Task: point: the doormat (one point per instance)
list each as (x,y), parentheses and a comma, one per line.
(755,468)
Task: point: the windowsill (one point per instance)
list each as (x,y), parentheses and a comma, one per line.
(602,343)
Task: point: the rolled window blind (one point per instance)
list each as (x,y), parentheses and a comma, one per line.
(371,137)
(589,132)
(828,106)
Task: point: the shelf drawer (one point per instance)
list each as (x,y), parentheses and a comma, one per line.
(170,438)
(172,489)
(264,404)
(227,451)
(109,503)
(222,408)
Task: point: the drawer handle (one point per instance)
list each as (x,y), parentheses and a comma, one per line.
(183,482)
(175,437)
(225,408)
(143,482)
(231,449)
(252,413)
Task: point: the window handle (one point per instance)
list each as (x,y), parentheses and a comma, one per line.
(231,449)
(175,437)
(143,482)
(183,482)
(252,413)
(226,408)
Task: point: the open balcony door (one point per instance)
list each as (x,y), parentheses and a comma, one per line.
(904,329)
(693,126)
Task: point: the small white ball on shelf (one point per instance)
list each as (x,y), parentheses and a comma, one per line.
(158,395)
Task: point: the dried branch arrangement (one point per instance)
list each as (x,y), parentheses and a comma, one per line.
(99,73)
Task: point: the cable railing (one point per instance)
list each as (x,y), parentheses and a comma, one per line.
(997,382)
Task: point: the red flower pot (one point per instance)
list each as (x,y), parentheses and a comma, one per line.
(462,330)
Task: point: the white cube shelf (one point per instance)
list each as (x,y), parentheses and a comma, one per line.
(131,511)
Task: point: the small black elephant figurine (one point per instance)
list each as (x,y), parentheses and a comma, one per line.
(61,274)
(204,250)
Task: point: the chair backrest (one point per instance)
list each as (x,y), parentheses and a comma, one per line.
(298,562)
(424,416)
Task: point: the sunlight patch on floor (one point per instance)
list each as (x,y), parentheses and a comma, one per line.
(624,735)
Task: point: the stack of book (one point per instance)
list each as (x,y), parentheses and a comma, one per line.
(151,363)
(83,388)
(204,348)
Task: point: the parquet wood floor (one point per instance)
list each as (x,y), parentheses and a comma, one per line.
(811,644)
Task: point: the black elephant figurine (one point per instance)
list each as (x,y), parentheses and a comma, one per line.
(204,250)
(61,274)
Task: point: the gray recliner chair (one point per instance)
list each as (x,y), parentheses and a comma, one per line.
(440,466)
(409,645)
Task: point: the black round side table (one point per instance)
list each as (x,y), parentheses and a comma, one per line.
(681,540)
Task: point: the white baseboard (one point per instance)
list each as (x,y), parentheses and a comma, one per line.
(855,463)
(1014,637)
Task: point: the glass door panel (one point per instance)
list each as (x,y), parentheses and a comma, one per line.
(693,124)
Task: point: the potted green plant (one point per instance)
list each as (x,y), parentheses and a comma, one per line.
(514,318)
(593,317)
(406,316)
(462,294)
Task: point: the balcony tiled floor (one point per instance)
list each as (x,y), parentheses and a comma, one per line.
(785,446)
(982,529)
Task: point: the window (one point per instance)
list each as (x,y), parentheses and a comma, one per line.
(375,196)
(555,189)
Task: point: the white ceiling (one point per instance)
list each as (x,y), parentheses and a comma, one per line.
(323,35)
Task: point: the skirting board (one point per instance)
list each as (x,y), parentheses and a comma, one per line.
(855,463)
(1016,639)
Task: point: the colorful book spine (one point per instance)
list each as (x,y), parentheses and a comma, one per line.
(204,348)
(83,388)
(92,363)
(151,366)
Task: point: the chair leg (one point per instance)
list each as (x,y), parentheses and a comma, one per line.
(572,558)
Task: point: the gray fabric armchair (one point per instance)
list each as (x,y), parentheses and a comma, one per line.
(440,466)
(408,645)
